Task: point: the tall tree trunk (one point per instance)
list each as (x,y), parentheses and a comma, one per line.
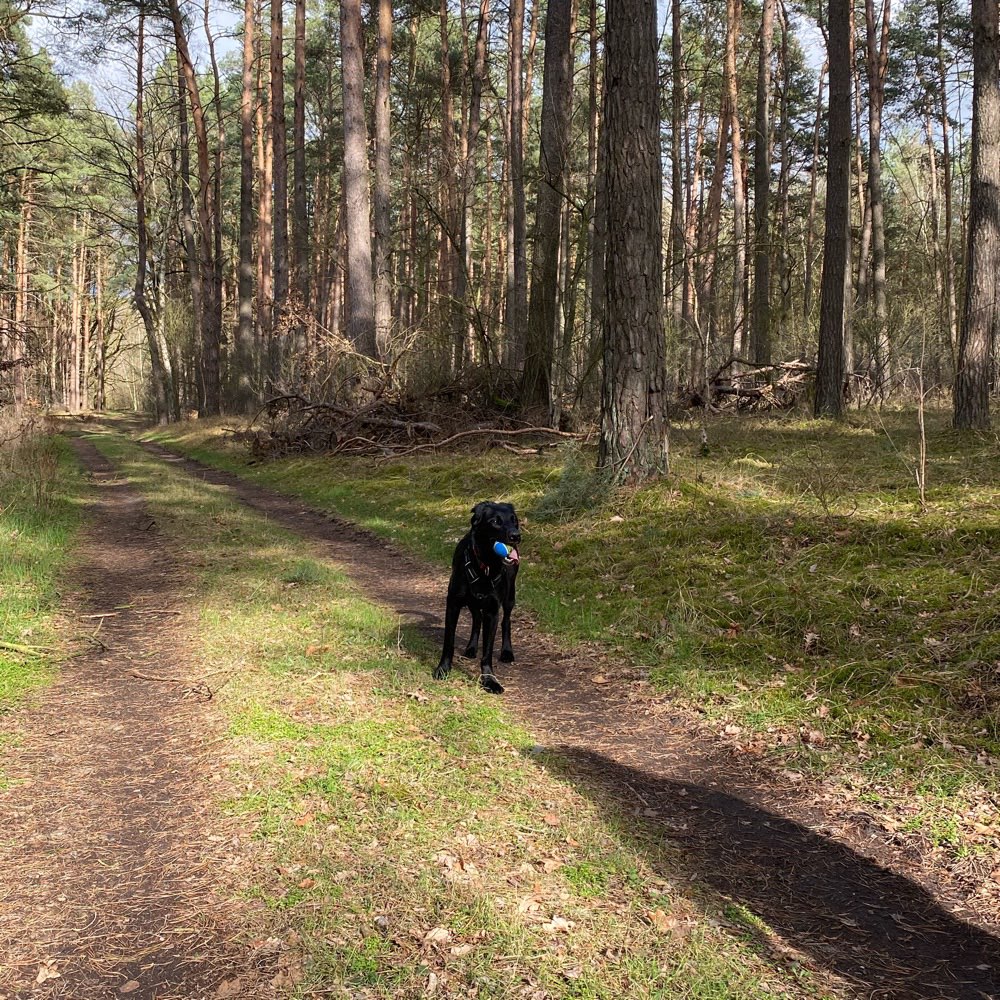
(813,179)
(265,220)
(220,136)
(557,98)
(189,232)
(517,276)
(101,329)
(453,311)
(18,352)
(830,366)
(75,312)
(783,257)
(300,217)
(877,63)
(469,162)
(693,158)
(676,164)
(383,149)
(951,296)
(360,286)
(591,324)
(760,328)
(243,361)
(633,421)
(739,337)
(142,303)
(84,401)
(935,214)
(981,316)
(279,169)
(709,240)
(211,298)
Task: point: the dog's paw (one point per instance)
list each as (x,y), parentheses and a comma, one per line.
(491,684)
(470,652)
(506,655)
(441,671)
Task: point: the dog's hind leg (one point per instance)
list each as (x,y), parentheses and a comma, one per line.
(506,649)
(477,624)
(452,611)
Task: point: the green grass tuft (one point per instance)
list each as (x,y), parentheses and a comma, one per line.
(41,495)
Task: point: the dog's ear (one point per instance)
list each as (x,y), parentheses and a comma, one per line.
(478,512)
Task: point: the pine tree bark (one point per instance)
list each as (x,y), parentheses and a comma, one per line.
(944,113)
(676,163)
(760,328)
(517,275)
(142,303)
(981,315)
(739,337)
(633,424)
(807,294)
(211,298)
(383,209)
(357,203)
(830,366)
(243,360)
(557,98)
(279,171)
(471,132)
(18,351)
(300,214)
(877,63)
(265,218)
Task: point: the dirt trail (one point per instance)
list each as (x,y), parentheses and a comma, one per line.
(109,842)
(841,896)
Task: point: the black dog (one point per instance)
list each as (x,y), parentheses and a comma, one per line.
(483,581)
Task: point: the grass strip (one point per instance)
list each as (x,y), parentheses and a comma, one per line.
(41,493)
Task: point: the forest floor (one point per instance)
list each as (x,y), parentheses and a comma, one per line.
(584,836)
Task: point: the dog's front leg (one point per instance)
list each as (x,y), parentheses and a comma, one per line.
(477,622)
(488,679)
(452,610)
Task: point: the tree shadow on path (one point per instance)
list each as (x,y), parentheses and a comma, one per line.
(877,929)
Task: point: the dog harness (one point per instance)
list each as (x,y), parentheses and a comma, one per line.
(476,570)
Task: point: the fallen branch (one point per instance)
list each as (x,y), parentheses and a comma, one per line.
(15,647)
(496,432)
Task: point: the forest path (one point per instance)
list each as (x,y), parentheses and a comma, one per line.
(110,841)
(834,889)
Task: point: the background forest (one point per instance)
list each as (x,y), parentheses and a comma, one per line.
(206,207)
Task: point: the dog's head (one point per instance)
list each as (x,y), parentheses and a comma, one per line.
(496,522)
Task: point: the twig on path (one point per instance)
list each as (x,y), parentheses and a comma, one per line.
(197,687)
(103,614)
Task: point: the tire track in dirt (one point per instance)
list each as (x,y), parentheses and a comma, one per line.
(110,844)
(839,895)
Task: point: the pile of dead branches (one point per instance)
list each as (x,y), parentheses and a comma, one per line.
(745,387)
(291,424)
